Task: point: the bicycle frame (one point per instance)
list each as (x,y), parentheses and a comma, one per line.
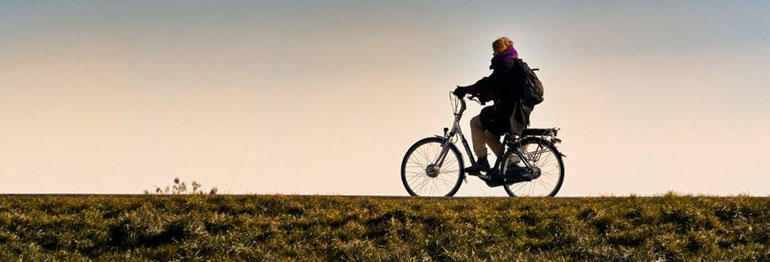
(456,130)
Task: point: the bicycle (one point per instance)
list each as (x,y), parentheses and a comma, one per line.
(428,168)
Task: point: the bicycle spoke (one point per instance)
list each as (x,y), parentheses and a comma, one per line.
(526,188)
(436,149)
(435,153)
(432,187)
(451,162)
(548,190)
(519,186)
(529,186)
(550,179)
(549,172)
(442,180)
(548,158)
(415,177)
(534,188)
(421,184)
(424,156)
(413,180)
(417,163)
(448,180)
(415,174)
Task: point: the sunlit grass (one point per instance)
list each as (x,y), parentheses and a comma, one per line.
(334,228)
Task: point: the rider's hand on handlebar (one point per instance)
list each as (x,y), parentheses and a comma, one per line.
(460,91)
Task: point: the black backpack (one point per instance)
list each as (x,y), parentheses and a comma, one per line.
(533,88)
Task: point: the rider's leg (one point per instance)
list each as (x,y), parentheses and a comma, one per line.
(494,142)
(478,138)
(496,145)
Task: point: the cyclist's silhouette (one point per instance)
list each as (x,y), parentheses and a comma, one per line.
(503,87)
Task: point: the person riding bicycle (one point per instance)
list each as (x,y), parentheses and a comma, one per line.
(504,87)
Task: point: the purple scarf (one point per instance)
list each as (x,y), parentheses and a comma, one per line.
(509,53)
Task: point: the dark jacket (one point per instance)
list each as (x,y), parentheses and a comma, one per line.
(505,87)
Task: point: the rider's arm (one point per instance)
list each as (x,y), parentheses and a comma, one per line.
(480,87)
(484,88)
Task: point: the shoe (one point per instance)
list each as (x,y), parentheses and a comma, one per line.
(482,165)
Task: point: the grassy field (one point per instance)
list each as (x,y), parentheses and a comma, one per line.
(336,228)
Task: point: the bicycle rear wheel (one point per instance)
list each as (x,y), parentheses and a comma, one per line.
(547,159)
(422,177)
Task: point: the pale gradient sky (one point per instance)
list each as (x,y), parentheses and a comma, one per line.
(324,97)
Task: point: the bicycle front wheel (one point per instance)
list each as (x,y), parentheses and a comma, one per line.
(550,168)
(423,174)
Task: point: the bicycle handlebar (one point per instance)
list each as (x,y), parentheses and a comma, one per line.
(462,102)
